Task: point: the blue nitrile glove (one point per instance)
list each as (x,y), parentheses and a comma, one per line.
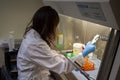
(89,48)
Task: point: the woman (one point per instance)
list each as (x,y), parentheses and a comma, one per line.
(35,57)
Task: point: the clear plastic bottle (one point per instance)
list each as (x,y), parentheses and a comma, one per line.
(77,48)
(77,45)
(11,43)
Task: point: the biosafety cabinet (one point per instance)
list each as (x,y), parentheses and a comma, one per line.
(81,20)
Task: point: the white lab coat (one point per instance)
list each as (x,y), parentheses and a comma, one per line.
(35,59)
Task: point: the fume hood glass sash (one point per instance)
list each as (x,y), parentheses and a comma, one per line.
(109,55)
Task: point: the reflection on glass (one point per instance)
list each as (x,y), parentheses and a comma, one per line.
(80,31)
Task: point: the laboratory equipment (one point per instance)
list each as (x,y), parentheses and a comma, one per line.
(90,46)
(103,12)
(75,65)
(91,10)
(77,48)
(60,42)
(88,65)
(11,42)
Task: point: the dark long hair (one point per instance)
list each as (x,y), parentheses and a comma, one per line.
(45,22)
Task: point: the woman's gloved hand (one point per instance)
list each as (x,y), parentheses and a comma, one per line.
(89,48)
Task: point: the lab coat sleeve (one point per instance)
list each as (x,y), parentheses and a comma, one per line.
(42,55)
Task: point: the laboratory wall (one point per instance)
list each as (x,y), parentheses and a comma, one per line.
(14,16)
(76,30)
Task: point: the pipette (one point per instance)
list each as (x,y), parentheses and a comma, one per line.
(96,37)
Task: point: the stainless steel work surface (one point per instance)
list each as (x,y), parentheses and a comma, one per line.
(92,73)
